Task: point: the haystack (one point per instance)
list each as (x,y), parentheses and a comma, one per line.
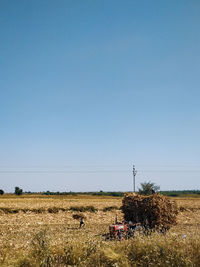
(153,211)
(78,216)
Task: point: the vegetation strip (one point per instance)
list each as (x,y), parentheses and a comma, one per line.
(77,209)
(57,209)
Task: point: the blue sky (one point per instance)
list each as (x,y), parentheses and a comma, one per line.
(88,88)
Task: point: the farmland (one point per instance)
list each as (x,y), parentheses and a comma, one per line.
(38,230)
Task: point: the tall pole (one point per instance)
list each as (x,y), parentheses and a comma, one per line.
(134,174)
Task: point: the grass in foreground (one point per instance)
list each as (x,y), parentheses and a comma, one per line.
(154,250)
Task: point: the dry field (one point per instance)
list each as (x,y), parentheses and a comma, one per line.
(40,231)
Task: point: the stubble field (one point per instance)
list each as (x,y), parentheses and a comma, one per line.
(40,231)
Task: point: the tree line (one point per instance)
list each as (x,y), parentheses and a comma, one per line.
(146,188)
(18,191)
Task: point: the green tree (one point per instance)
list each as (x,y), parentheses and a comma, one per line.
(1,192)
(18,191)
(148,188)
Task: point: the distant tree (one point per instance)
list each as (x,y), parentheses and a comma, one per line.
(1,192)
(18,191)
(148,188)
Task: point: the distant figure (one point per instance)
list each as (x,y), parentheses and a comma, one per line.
(153,192)
(82,222)
(116,220)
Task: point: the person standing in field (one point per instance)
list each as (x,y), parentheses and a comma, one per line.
(82,222)
(153,192)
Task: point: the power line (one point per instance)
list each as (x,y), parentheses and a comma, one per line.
(97,165)
(96,171)
(75,171)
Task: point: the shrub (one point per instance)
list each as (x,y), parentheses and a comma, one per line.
(18,191)
(1,192)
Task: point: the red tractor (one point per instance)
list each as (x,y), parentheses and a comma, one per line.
(118,231)
(123,230)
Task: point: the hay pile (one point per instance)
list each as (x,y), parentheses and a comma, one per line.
(78,216)
(153,211)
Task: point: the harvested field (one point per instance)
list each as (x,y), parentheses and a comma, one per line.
(21,234)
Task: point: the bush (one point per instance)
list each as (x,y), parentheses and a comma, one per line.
(1,192)
(18,191)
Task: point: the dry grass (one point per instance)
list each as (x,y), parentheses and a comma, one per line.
(54,239)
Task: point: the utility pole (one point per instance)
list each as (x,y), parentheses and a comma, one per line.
(134,174)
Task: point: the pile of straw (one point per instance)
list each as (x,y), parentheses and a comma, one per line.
(153,211)
(78,216)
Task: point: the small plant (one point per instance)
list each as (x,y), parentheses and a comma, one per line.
(18,191)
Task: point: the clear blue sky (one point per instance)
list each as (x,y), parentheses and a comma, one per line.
(87,88)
